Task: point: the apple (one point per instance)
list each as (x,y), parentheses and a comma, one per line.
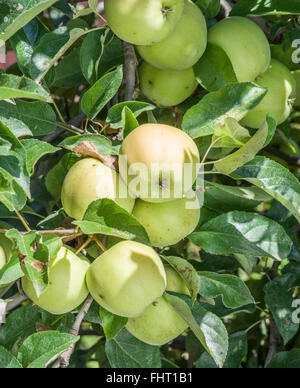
(168,158)
(143,22)
(245,44)
(167,223)
(296,75)
(127,278)
(67,286)
(184,47)
(280,84)
(89,180)
(166,87)
(158,325)
(175,282)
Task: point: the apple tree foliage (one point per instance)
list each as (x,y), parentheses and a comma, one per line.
(67,87)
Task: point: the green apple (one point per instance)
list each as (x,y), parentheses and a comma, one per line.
(280,84)
(165,157)
(67,286)
(245,45)
(166,87)
(127,278)
(158,325)
(175,282)
(184,47)
(89,180)
(296,93)
(143,22)
(167,223)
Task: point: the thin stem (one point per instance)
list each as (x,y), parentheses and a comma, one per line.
(70,128)
(59,232)
(58,112)
(84,245)
(22,219)
(253,326)
(99,243)
(64,360)
(210,147)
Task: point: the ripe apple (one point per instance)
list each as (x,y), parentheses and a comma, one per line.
(143,22)
(184,47)
(175,282)
(167,223)
(127,278)
(5,250)
(166,87)
(162,152)
(296,75)
(280,84)
(245,44)
(89,180)
(158,325)
(67,286)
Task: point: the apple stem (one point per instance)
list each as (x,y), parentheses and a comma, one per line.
(22,219)
(99,243)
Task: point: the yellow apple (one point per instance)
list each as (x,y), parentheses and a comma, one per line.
(166,87)
(89,180)
(167,223)
(67,286)
(158,325)
(280,84)
(127,278)
(143,22)
(175,282)
(245,45)
(163,158)
(184,47)
(296,75)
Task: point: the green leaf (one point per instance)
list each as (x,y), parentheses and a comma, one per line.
(51,47)
(68,73)
(243,233)
(208,328)
(106,217)
(56,176)
(187,272)
(275,180)
(102,143)
(230,135)
(246,153)
(214,69)
(279,298)
(126,351)
(11,271)
(237,351)
(233,290)
(100,52)
(233,100)
(265,7)
(210,8)
(28,118)
(40,348)
(286,360)
(112,324)
(129,120)
(15,14)
(115,114)
(35,149)
(7,360)
(95,99)
(223,199)
(12,86)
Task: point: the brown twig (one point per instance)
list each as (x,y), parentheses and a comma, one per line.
(64,360)
(226,8)
(129,70)
(275,341)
